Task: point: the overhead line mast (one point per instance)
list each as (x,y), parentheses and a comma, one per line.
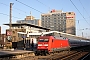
(10,29)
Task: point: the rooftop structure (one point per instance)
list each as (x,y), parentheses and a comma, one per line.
(18,34)
(30,20)
(27,24)
(57,20)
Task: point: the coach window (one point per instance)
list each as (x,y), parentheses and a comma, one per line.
(46,40)
(64,38)
(41,40)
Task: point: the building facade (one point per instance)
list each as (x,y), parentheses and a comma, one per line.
(58,20)
(31,20)
(3,40)
(0,32)
(18,34)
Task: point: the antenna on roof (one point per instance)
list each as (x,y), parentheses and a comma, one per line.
(30,16)
(49,9)
(30,13)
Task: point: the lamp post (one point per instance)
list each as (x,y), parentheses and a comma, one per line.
(82,34)
(10,29)
(24,42)
(10,21)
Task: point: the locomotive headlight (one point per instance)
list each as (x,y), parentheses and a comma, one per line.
(45,44)
(39,44)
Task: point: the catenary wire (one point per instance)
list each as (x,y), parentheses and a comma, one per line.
(79,12)
(43,4)
(14,8)
(84,8)
(29,6)
(8,15)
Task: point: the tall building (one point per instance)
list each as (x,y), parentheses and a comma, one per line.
(31,20)
(0,32)
(59,21)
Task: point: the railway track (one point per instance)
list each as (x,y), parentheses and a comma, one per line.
(74,54)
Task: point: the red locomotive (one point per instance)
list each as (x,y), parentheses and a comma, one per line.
(47,44)
(51,43)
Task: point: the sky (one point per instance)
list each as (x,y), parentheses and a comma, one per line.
(22,8)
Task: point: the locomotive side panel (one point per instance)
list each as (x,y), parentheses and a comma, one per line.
(47,44)
(58,44)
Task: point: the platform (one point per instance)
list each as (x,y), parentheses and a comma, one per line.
(16,53)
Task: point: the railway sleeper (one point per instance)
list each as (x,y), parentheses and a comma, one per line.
(18,56)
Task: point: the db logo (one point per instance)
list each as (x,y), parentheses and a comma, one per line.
(8,33)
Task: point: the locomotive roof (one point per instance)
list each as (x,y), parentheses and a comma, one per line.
(63,34)
(67,35)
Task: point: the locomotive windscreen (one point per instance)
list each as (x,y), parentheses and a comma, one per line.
(43,40)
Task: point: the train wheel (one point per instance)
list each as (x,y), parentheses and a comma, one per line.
(45,54)
(51,53)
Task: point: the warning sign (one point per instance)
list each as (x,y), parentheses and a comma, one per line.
(8,33)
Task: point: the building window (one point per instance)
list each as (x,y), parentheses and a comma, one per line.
(58,20)
(54,23)
(69,12)
(61,14)
(13,32)
(45,18)
(42,18)
(48,16)
(64,17)
(58,15)
(54,15)
(61,17)
(64,14)
(43,21)
(54,18)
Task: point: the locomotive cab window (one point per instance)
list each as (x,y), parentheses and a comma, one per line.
(43,40)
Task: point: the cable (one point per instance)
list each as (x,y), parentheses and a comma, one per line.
(43,4)
(79,11)
(8,15)
(84,8)
(19,10)
(13,7)
(29,6)
(85,18)
(3,4)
